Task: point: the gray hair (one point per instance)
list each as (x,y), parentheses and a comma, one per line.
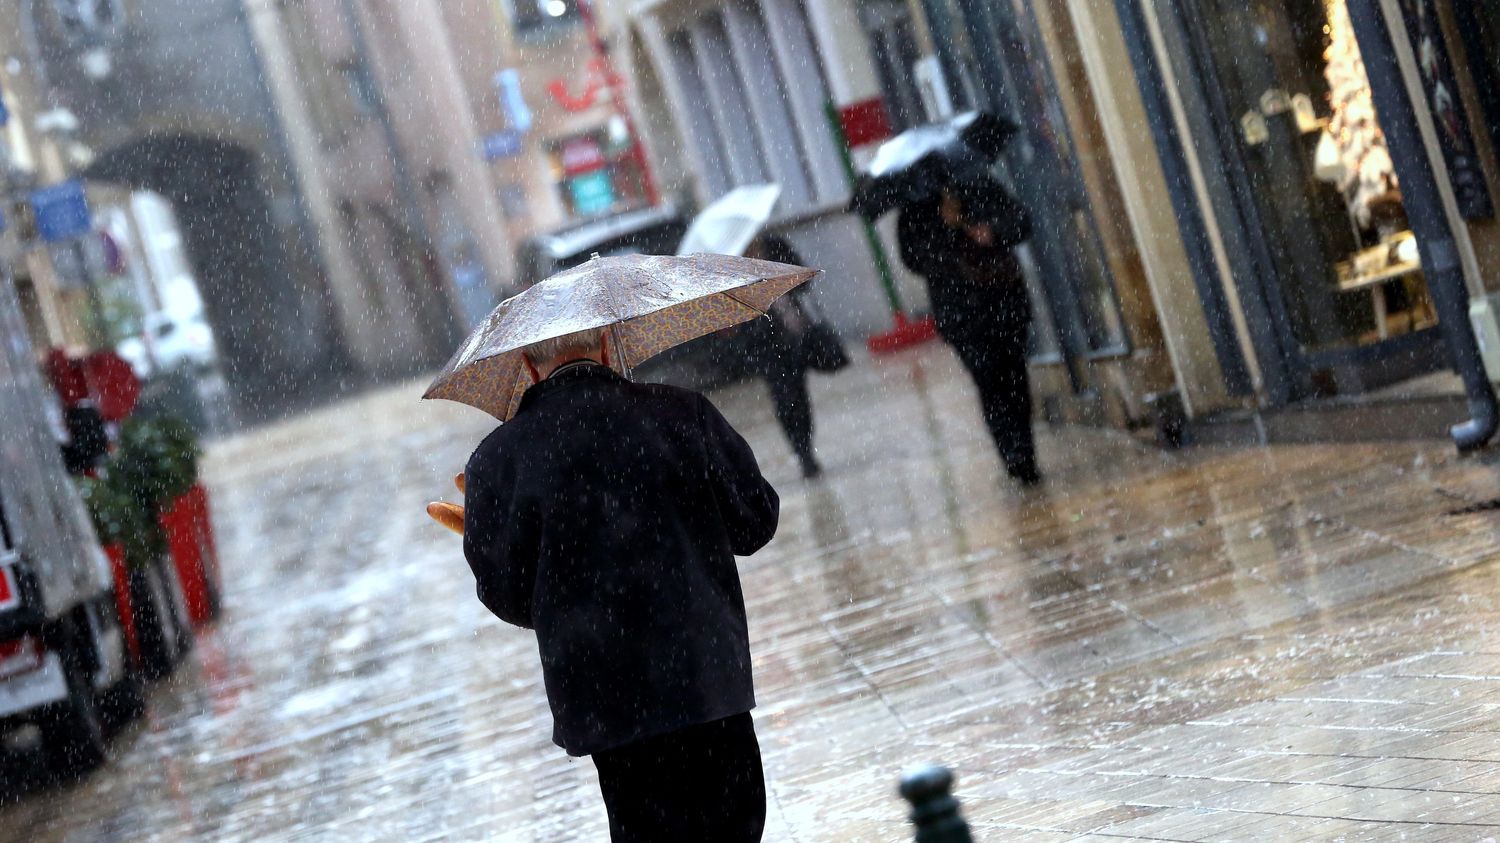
(575,343)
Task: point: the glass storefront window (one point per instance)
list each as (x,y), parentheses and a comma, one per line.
(1324,186)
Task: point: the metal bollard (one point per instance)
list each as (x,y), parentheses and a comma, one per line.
(934,811)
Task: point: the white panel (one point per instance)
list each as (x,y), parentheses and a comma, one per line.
(769,102)
(725,96)
(799,60)
(697,120)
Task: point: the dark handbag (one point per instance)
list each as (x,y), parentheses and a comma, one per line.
(822,350)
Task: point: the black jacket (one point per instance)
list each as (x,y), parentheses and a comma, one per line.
(771,346)
(606,516)
(946,258)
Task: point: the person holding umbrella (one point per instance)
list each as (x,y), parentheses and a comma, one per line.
(962,241)
(606,516)
(774,348)
(958,229)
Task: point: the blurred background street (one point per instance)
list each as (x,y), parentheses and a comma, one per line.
(1231,643)
(1238,263)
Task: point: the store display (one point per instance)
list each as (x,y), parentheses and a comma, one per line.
(1368,178)
(1386,261)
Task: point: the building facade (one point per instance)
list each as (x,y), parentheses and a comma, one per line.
(770,91)
(322,158)
(1330,172)
(562,143)
(377,108)
(745,93)
(1222,215)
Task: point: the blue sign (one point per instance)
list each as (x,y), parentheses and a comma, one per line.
(506,144)
(512,100)
(4,112)
(61,211)
(593,193)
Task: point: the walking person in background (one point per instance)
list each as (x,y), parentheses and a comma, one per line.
(775,350)
(606,516)
(962,241)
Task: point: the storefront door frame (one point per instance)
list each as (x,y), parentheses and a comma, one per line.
(1288,370)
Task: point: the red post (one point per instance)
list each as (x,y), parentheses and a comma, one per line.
(123,602)
(191,541)
(617,96)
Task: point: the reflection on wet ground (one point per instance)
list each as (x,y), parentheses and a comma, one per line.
(1283,643)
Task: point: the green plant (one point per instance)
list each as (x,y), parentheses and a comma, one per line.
(157,458)
(155,462)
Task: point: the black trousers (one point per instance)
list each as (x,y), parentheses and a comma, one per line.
(995,355)
(793,407)
(700,783)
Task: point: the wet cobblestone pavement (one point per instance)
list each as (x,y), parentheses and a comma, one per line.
(1252,644)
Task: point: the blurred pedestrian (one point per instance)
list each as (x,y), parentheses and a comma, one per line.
(606,515)
(775,349)
(962,241)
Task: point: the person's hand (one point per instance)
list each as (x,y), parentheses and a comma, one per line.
(983,234)
(450,515)
(950,210)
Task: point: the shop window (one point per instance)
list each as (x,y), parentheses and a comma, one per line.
(596,173)
(770,111)
(1324,187)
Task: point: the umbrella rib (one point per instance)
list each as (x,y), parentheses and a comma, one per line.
(737,300)
(612,328)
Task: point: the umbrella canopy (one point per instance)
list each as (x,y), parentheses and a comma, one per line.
(731,224)
(650,303)
(910,166)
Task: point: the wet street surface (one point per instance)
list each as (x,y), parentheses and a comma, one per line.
(1250,644)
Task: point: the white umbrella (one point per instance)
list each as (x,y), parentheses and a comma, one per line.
(729,225)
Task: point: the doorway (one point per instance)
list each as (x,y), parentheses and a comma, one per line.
(1313,185)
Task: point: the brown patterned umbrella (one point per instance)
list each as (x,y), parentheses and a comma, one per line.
(650,303)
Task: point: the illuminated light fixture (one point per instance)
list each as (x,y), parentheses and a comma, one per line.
(557,8)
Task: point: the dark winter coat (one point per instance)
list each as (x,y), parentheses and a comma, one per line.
(606,516)
(771,346)
(974,289)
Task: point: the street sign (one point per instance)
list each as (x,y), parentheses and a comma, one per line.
(593,193)
(503,144)
(61,211)
(580,155)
